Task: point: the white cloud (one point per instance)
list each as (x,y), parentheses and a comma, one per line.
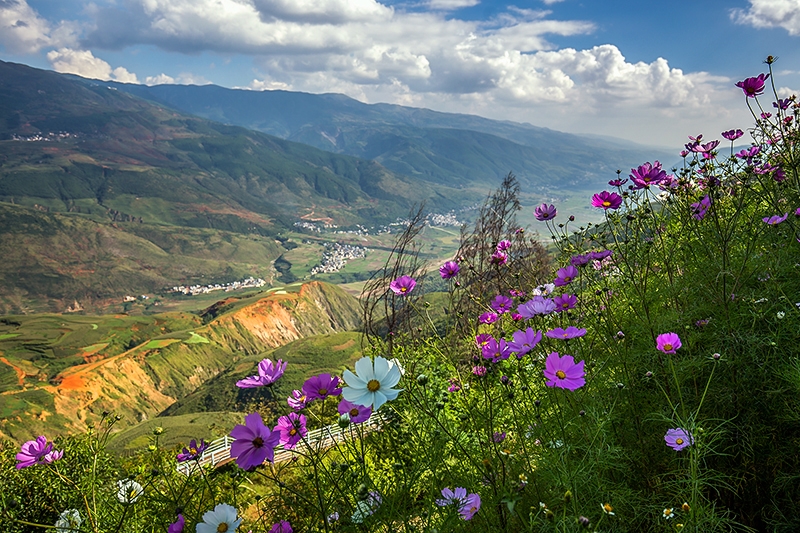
(770,14)
(448,5)
(84,63)
(22,30)
(184,78)
(551,2)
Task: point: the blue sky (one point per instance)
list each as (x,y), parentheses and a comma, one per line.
(652,72)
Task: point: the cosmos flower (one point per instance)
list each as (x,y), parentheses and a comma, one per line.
(449,270)
(177,525)
(525,341)
(321,386)
(732,135)
(268,373)
(357,413)
(607,200)
(482,338)
(545,212)
(570,333)
(281,526)
(403,285)
(565,275)
(223,519)
(194,451)
(565,302)
(563,372)
(647,174)
(774,220)
(255,442)
(668,342)
(488,318)
(752,87)
(37,451)
(499,258)
(371,385)
(297,401)
(699,209)
(496,350)
(503,245)
(467,504)
(678,439)
(502,304)
(539,305)
(292,429)
(69,521)
(128,491)
(579,260)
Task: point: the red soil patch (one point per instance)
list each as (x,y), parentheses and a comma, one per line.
(71,382)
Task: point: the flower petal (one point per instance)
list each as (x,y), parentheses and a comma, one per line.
(364,369)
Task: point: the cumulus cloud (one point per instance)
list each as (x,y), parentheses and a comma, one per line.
(184,78)
(448,5)
(22,30)
(770,14)
(84,63)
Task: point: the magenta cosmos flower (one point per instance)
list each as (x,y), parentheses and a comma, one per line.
(525,341)
(678,439)
(647,174)
(699,209)
(321,386)
(403,285)
(502,304)
(292,429)
(570,333)
(752,87)
(563,372)
(668,342)
(37,451)
(565,275)
(545,212)
(357,413)
(565,302)
(496,350)
(538,305)
(774,220)
(297,401)
(268,373)
(503,245)
(488,318)
(449,270)
(281,527)
(254,443)
(194,451)
(467,504)
(607,200)
(177,525)
(732,135)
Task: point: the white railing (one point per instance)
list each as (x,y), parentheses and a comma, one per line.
(219,450)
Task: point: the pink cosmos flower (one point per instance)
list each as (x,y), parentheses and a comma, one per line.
(292,428)
(545,212)
(502,304)
(774,220)
(699,209)
(297,401)
(563,372)
(268,373)
(498,258)
(732,135)
(678,439)
(403,285)
(607,200)
(357,413)
(496,350)
(281,527)
(525,341)
(255,442)
(488,318)
(503,245)
(470,506)
(570,333)
(565,275)
(668,342)
(647,174)
(449,270)
(321,386)
(752,87)
(565,302)
(479,371)
(37,451)
(481,339)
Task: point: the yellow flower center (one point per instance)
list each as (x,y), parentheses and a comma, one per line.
(606,203)
(193,451)
(560,374)
(292,432)
(667,347)
(568,279)
(323,392)
(373,385)
(403,289)
(353,412)
(679,441)
(222,528)
(607,507)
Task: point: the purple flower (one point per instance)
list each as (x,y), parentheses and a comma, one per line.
(752,87)
(579,260)
(268,373)
(539,305)
(732,135)
(503,245)
(565,275)
(502,304)
(468,504)
(570,333)
(525,341)
(668,342)
(498,437)
(774,220)
(403,285)
(455,386)
(749,153)
(708,147)
(699,209)
(766,168)
(607,200)
(321,386)
(482,338)
(357,413)
(545,212)
(449,270)
(565,302)
(292,429)
(618,182)
(281,527)
(496,350)
(498,258)
(647,174)
(194,451)
(599,256)
(797,212)
(479,370)
(678,439)
(488,318)
(297,401)
(779,175)
(782,103)
(254,443)
(177,525)
(563,372)
(37,451)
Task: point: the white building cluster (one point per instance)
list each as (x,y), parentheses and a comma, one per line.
(50,136)
(336,255)
(227,287)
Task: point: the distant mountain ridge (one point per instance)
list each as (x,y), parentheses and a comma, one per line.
(433,146)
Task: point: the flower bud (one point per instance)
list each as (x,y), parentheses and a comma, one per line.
(344,421)
(583,521)
(568,496)
(158,430)
(422,380)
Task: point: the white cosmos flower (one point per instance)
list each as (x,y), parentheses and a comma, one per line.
(221,520)
(129,490)
(69,521)
(371,386)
